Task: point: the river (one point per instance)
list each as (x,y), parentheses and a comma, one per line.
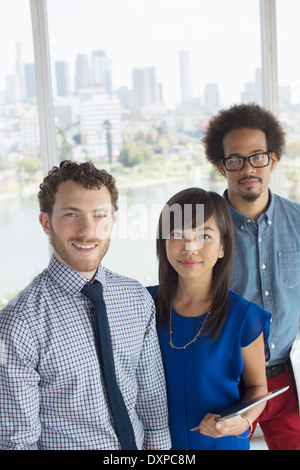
(24,248)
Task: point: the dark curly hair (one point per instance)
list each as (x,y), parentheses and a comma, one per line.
(85,174)
(240,117)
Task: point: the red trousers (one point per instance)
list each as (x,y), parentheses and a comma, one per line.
(280,420)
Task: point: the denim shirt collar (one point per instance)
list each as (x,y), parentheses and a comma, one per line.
(241,220)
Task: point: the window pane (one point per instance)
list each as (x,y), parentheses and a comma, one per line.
(23,249)
(288,34)
(134,85)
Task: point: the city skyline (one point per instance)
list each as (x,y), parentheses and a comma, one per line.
(223,39)
(95,70)
(128,39)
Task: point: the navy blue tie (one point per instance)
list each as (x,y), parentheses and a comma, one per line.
(123,426)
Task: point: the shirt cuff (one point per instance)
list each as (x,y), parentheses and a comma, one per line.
(157,440)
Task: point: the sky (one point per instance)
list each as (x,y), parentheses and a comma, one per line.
(222,36)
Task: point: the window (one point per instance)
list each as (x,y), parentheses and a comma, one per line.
(134,85)
(288,35)
(23,249)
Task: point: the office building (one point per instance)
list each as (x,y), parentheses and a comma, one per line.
(29,131)
(211,98)
(62,78)
(144,87)
(101,71)
(185,76)
(30,83)
(11,95)
(100,113)
(253,90)
(82,74)
(20,73)
(285,97)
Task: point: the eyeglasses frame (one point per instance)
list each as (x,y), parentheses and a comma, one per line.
(248,159)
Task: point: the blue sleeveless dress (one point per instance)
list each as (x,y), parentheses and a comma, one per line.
(206,376)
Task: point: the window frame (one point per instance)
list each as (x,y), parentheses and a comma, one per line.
(49,153)
(270,91)
(39,21)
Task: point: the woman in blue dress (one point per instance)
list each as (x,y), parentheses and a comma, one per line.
(212,340)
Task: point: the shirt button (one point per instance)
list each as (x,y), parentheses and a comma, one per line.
(249,221)
(264,266)
(267,293)
(259,239)
(242,227)
(272,345)
(270,222)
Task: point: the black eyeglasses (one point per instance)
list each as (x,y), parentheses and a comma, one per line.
(258,160)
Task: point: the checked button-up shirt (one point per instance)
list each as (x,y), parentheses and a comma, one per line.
(51,391)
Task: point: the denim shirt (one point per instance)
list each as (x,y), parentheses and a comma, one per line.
(267,268)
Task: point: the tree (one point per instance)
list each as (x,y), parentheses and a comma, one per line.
(108,128)
(29,165)
(293,148)
(64,147)
(130,154)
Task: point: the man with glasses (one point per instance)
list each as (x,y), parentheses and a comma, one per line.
(245,143)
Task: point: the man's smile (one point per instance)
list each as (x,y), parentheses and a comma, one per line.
(84,247)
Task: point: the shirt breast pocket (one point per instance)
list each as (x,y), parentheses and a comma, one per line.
(289,269)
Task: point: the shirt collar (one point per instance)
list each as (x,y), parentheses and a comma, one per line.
(241,219)
(270,210)
(71,280)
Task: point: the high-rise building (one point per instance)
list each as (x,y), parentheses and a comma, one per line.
(211,98)
(11,89)
(285,96)
(185,76)
(62,78)
(144,87)
(253,90)
(66,109)
(258,86)
(125,97)
(82,74)
(20,72)
(100,113)
(101,71)
(248,95)
(29,130)
(30,83)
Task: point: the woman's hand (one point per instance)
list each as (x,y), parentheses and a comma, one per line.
(229,427)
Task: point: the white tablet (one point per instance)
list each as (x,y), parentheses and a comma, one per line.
(241,408)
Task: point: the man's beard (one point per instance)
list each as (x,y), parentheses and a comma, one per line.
(81,266)
(251,196)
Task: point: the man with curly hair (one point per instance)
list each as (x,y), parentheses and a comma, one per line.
(54,391)
(245,144)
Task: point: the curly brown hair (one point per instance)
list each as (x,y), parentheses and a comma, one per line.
(85,174)
(239,117)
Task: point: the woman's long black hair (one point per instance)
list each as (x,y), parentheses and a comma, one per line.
(213,205)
